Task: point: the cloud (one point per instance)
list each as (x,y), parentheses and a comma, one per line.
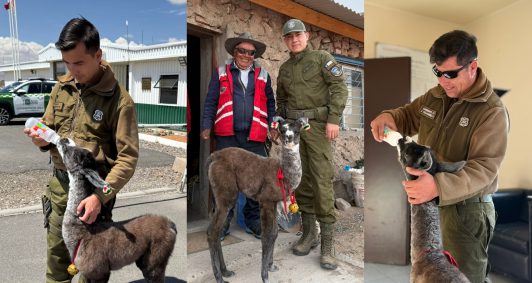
(119,41)
(28,51)
(178,12)
(177,2)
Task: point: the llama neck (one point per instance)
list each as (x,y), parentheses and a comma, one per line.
(72,225)
(425,232)
(291,165)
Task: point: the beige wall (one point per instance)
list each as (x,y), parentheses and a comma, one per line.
(505,45)
(388,25)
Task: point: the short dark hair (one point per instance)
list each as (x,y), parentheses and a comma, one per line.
(455,43)
(79,30)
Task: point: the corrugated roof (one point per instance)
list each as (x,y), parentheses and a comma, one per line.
(335,10)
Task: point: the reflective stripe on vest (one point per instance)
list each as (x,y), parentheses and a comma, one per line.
(223,124)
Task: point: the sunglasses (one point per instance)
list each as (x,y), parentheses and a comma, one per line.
(245,51)
(448,74)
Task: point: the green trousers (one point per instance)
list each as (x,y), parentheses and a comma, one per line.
(58,258)
(467,229)
(315,193)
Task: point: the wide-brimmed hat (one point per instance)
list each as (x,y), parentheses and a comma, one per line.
(230,44)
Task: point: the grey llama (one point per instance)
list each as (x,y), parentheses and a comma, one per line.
(429,263)
(233,170)
(100,247)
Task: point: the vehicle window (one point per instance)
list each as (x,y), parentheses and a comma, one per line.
(47,87)
(34,88)
(10,87)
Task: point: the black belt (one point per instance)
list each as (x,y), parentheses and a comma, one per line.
(296,114)
(486,198)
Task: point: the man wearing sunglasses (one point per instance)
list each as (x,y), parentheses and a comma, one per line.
(460,119)
(240,106)
(311,84)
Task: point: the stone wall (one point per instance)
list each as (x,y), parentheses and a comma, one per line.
(230,18)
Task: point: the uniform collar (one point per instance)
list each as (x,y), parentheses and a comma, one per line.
(105,87)
(480,91)
(301,54)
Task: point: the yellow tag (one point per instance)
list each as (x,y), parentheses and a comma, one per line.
(72,269)
(294,208)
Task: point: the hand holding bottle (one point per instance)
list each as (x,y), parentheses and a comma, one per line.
(41,134)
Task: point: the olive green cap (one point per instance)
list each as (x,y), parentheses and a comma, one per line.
(293,25)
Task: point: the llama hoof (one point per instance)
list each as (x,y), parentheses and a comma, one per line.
(273,268)
(227,273)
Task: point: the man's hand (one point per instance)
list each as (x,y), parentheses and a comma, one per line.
(92,207)
(206,134)
(422,189)
(378,124)
(35,138)
(331,131)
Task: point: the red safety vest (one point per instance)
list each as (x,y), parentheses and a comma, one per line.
(223,123)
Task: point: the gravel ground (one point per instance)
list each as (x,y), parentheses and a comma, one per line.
(349,242)
(25,189)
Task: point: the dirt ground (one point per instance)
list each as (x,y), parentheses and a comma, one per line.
(350,238)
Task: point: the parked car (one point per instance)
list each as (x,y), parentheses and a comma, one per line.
(24,99)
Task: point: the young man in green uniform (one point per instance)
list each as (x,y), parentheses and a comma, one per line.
(460,119)
(88,106)
(311,84)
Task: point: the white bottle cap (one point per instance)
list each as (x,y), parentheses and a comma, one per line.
(391,137)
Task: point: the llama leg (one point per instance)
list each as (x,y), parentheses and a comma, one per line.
(269,235)
(215,246)
(155,275)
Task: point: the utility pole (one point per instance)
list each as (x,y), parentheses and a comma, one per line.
(13,30)
(127,67)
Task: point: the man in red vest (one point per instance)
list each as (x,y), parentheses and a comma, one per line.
(240,105)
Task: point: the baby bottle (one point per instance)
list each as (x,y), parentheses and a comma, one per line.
(44,132)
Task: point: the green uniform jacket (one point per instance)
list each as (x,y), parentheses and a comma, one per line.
(100,118)
(475,129)
(309,80)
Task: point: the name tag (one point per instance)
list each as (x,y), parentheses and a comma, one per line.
(58,106)
(427,112)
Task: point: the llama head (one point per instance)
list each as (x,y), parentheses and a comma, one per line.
(412,154)
(74,157)
(290,131)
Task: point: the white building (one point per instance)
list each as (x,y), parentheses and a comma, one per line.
(155,75)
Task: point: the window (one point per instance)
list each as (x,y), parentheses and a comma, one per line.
(59,69)
(167,85)
(353,116)
(146,83)
(31,88)
(47,87)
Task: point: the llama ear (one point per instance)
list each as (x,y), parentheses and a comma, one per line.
(451,167)
(276,121)
(93,177)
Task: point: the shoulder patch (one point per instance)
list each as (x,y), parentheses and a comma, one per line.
(336,71)
(329,64)
(98,115)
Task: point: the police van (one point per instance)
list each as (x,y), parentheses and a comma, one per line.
(27,98)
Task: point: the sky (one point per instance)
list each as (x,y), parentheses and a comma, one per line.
(40,22)
(356,5)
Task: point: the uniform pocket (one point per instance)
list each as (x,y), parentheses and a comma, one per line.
(472,219)
(311,74)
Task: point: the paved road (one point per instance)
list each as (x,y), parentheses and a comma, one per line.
(18,154)
(23,242)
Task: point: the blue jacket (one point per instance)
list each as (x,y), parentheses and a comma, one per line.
(242,100)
